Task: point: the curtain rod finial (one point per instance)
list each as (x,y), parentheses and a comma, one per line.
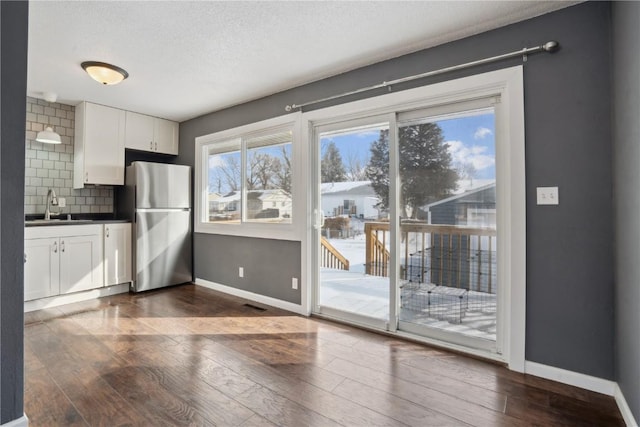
(551,46)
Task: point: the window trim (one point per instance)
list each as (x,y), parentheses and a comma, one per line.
(280,231)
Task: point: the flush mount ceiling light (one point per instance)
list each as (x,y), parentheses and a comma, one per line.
(48,136)
(104,73)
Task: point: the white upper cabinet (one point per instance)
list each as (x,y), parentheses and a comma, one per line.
(138,132)
(147,133)
(166,136)
(99,145)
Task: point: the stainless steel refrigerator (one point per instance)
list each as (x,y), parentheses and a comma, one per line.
(158,201)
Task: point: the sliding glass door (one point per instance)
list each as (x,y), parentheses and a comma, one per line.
(448,280)
(353,172)
(406,223)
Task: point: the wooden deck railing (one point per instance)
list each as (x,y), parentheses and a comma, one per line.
(448,255)
(331,258)
(377,255)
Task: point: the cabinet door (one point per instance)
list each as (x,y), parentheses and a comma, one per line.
(117,254)
(41,269)
(80,263)
(139,132)
(166,136)
(103,145)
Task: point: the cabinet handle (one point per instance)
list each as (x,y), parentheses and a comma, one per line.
(62,246)
(55,247)
(156,146)
(107,231)
(151,145)
(86,177)
(25,257)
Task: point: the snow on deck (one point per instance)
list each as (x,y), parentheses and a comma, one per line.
(355,292)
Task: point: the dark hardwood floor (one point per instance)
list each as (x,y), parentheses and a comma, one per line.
(191,356)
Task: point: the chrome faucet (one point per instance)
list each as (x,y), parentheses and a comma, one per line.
(52,200)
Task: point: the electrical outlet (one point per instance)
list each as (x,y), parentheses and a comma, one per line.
(294,283)
(240,272)
(62,202)
(547,195)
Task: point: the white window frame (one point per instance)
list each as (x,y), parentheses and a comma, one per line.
(507,84)
(280,231)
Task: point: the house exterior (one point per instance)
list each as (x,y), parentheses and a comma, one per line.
(260,203)
(352,198)
(475,206)
(269,204)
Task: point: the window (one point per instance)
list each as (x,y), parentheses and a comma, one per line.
(224,177)
(246,179)
(268,178)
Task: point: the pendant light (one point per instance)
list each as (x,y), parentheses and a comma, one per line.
(48,136)
(104,73)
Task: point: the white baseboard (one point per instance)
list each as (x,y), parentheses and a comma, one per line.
(627,415)
(285,305)
(576,379)
(50,302)
(599,385)
(23,421)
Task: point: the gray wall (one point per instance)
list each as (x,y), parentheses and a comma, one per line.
(13,96)
(269,265)
(568,144)
(626,132)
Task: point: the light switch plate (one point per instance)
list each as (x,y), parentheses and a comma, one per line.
(548,195)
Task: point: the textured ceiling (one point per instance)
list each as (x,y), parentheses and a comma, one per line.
(186,59)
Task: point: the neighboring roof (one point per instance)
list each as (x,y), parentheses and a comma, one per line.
(474,189)
(352,187)
(466,185)
(235,195)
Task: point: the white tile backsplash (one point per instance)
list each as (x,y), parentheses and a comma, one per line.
(51,166)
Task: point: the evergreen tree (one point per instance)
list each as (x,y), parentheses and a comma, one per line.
(426,173)
(378,168)
(332,167)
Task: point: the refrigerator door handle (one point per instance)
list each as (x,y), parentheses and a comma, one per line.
(135,201)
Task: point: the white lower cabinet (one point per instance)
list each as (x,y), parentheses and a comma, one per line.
(62,260)
(117,254)
(80,263)
(41,268)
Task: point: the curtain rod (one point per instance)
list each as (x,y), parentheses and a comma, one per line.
(550,46)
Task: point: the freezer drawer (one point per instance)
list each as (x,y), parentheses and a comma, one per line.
(162,248)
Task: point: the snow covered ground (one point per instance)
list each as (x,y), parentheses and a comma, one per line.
(356,292)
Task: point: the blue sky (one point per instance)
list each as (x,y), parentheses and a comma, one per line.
(471,139)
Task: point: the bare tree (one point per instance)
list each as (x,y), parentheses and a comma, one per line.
(283,171)
(262,170)
(229,173)
(466,170)
(356,166)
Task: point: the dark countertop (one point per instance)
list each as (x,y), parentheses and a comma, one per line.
(37,220)
(42,222)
